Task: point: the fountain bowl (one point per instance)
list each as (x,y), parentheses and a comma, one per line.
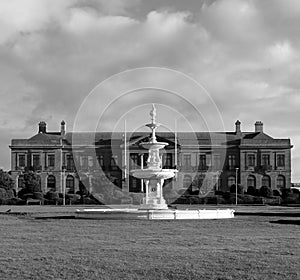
(154,173)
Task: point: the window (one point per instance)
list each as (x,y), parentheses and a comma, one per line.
(280,160)
(216,161)
(101,160)
(70,184)
(51,160)
(251,181)
(134,161)
(266,181)
(168,160)
(187,160)
(70,162)
(84,162)
(187,181)
(231,181)
(51,183)
(202,162)
(114,161)
(265,160)
(90,161)
(21,161)
(36,161)
(280,182)
(251,160)
(231,161)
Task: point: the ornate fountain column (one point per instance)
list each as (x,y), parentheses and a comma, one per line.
(153,175)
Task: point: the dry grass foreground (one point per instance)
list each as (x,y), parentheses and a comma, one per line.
(239,248)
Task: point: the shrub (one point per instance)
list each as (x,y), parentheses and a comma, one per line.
(276,193)
(265,191)
(240,189)
(3,193)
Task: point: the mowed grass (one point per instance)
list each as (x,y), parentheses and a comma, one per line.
(239,248)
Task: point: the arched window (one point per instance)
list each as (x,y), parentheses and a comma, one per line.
(280,182)
(51,183)
(266,181)
(187,181)
(70,184)
(231,181)
(251,181)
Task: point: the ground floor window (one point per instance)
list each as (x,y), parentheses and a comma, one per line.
(231,181)
(51,183)
(280,181)
(70,184)
(251,181)
(266,181)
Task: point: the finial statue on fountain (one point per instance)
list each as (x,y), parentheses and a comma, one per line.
(153,114)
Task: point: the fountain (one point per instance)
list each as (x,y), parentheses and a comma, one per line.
(154,206)
(153,175)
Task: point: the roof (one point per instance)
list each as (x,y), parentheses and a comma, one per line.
(183,138)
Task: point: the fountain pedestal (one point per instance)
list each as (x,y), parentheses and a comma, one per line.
(154,198)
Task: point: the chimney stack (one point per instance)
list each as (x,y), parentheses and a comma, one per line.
(62,128)
(259,126)
(42,127)
(238,127)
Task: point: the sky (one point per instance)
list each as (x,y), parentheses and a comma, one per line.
(58,56)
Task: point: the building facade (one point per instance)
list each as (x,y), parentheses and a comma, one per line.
(205,161)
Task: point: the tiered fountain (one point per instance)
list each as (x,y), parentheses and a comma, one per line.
(153,175)
(154,206)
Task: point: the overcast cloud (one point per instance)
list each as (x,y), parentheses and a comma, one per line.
(244,52)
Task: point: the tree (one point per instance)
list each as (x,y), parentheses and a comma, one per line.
(6,182)
(31,183)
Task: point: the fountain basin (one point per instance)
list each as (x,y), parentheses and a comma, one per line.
(154,173)
(167,214)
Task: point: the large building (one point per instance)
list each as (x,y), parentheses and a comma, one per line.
(206,161)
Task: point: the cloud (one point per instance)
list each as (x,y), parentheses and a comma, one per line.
(245,53)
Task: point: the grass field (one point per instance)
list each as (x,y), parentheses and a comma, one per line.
(239,248)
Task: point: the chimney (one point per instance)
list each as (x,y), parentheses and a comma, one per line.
(259,126)
(42,127)
(238,127)
(62,128)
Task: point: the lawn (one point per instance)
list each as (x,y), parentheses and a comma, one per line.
(240,248)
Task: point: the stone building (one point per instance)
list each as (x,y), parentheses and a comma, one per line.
(206,161)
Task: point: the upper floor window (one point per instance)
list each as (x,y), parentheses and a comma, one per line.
(90,161)
(70,162)
(84,162)
(187,160)
(280,160)
(265,160)
(101,160)
(251,160)
(36,161)
(21,161)
(202,162)
(168,160)
(51,160)
(134,161)
(231,161)
(217,161)
(114,161)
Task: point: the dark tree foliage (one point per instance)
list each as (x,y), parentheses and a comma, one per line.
(240,189)
(6,182)
(266,191)
(31,183)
